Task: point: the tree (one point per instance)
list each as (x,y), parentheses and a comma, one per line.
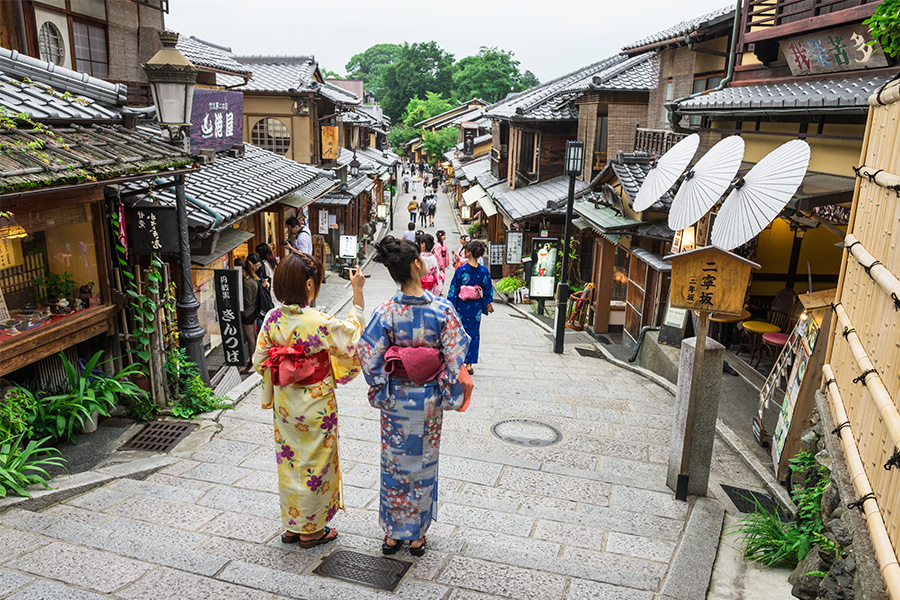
(490,75)
(418,68)
(326,74)
(436,143)
(884,26)
(418,110)
(369,66)
(400,135)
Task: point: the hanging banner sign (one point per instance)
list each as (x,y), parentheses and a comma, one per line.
(833,50)
(515,241)
(543,270)
(153,229)
(330,148)
(217,120)
(228,308)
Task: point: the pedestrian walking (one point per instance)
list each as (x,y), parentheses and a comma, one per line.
(264,301)
(432,209)
(412,207)
(299,236)
(268,266)
(410,233)
(411,355)
(459,255)
(434,278)
(405,183)
(440,250)
(250,292)
(302,355)
(472,294)
(423,210)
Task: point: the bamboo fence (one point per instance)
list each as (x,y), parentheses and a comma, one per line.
(862,370)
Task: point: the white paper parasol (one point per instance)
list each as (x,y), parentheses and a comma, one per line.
(705,183)
(760,195)
(665,172)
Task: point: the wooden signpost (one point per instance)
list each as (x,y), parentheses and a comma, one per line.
(706,280)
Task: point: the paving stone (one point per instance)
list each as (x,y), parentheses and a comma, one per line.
(489,497)
(361,475)
(360,451)
(605,415)
(99,498)
(640,546)
(495,457)
(169,583)
(605,446)
(281,559)
(634,473)
(253,502)
(224,452)
(466,470)
(190,484)
(311,587)
(470,595)
(615,569)
(649,502)
(479,518)
(551,484)
(651,435)
(45,590)
(503,580)
(25,520)
(580,589)
(10,582)
(602,399)
(359,429)
(77,515)
(627,522)
(157,490)
(658,454)
(655,407)
(533,408)
(560,456)
(264,481)
(243,527)
(645,420)
(79,566)
(170,513)
(180,467)
(14,543)
(570,534)
(355,497)
(251,432)
(263,459)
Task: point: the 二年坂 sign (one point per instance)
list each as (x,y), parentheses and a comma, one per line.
(709,279)
(217,120)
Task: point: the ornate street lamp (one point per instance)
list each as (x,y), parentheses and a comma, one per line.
(172,78)
(354,166)
(573,164)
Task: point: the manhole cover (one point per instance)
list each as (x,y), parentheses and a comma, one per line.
(588,352)
(742,499)
(159,436)
(525,432)
(376,572)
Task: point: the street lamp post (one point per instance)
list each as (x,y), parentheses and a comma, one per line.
(172,77)
(574,161)
(354,166)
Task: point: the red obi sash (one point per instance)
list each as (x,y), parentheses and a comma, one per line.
(291,366)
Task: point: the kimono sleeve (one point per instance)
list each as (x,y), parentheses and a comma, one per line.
(454,346)
(371,349)
(263,343)
(453,291)
(341,339)
(487,289)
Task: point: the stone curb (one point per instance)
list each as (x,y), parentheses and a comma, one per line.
(67,486)
(691,570)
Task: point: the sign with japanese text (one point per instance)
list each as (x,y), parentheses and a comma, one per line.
(228,307)
(217,120)
(10,253)
(331,150)
(543,267)
(348,246)
(323,221)
(153,229)
(470,132)
(710,279)
(515,241)
(833,50)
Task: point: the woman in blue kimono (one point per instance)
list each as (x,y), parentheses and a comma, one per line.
(411,354)
(472,294)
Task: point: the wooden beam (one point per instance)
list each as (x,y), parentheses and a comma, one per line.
(857,13)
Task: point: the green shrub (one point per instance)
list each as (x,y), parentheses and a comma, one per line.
(474,230)
(20,468)
(190,395)
(508,285)
(16,409)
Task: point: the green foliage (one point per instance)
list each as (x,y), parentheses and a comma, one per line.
(57,286)
(508,285)
(884,25)
(418,110)
(436,143)
(20,467)
(400,135)
(416,69)
(326,74)
(474,229)
(16,409)
(369,67)
(768,540)
(190,395)
(490,75)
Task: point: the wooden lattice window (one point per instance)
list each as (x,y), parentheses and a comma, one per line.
(91,56)
(50,44)
(271,134)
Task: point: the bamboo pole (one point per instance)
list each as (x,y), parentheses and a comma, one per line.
(881,542)
(872,381)
(879,273)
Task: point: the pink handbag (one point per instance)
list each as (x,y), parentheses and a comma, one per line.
(470,292)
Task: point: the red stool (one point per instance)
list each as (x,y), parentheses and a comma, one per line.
(773,343)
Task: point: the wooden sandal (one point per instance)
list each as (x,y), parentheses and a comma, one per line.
(420,551)
(388,549)
(322,539)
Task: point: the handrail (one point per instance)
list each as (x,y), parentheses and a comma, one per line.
(881,542)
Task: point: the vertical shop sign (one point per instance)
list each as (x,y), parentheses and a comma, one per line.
(323,222)
(470,131)
(153,229)
(217,120)
(543,269)
(515,241)
(228,308)
(10,253)
(330,148)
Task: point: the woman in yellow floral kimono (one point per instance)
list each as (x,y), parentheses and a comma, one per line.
(302,355)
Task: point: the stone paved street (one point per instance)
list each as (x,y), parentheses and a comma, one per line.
(588,517)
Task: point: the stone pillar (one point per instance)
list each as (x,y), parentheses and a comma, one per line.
(705,412)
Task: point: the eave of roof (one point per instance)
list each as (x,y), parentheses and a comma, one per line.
(202,54)
(675,35)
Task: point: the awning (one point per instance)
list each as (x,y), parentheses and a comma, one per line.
(585,225)
(229,239)
(297,200)
(488,206)
(654,261)
(603,218)
(385,176)
(474,194)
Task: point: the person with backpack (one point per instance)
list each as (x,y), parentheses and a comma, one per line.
(432,208)
(413,208)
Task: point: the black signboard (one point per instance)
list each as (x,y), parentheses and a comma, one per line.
(228,307)
(469,135)
(543,267)
(515,242)
(153,229)
(495,257)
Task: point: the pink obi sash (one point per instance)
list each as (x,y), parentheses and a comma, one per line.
(419,364)
(291,366)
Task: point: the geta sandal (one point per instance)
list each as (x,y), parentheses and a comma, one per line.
(389,549)
(420,551)
(322,539)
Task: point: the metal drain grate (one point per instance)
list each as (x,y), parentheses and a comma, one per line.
(742,499)
(372,571)
(588,353)
(525,432)
(159,436)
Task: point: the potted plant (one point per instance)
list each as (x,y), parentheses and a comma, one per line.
(58,287)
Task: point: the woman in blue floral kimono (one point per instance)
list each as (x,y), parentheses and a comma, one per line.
(472,294)
(411,355)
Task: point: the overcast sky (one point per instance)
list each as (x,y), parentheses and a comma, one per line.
(548,37)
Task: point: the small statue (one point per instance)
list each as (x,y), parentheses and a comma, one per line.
(63,306)
(84,295)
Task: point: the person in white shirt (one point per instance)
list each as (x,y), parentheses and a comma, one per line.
(302,238)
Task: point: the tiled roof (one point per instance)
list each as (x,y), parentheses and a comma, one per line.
(203,54)
(367,163)
(237,186)
(685,27)
(323,183)
(385,158)
(639,74)
(472,115)
(531,200)
(549,101)
(471,170)
(19,66)
(287,73)
(486,179)
(448,115)
(631,173)
(345,194)
(98,152)
(43,103)
(479,140)
(851,93)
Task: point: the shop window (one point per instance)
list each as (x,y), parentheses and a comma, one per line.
(48,269)
(50,43)
(527,152)
(620,276)
(90,49)
(272,135)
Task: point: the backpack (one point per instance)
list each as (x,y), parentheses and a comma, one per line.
(264,301)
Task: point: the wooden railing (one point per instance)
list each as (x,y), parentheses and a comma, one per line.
(762,14)
(655,141)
